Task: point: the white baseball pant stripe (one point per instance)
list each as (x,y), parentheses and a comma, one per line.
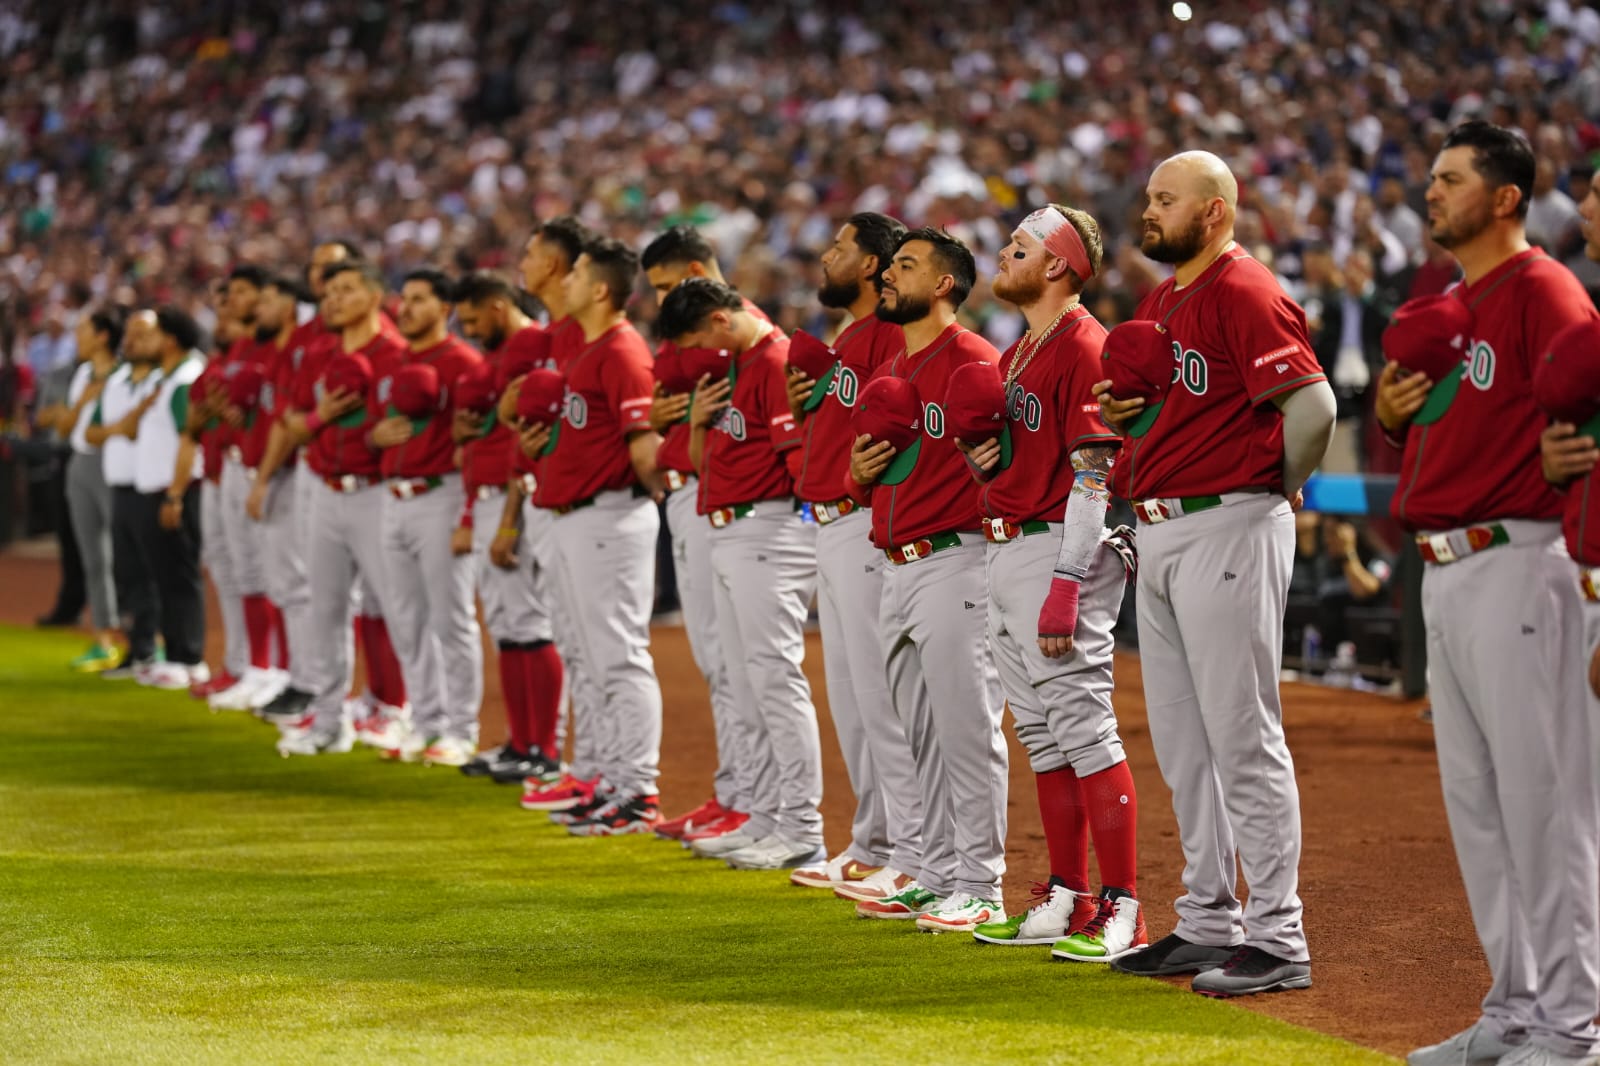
(605,568)
(429,608)
(1061,707)
(586,697)
(1212,589)
(284,534)
(1512,731)
(691,556)
(246,541)
(514,607)
(946,694)
(765,569)
(217,556)
(887,829)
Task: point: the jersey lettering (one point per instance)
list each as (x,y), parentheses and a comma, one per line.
(384,387)
(732,422)
(845,385)
(933,421)
(1480,366)
(577,410)
(267,395)
(1190,369)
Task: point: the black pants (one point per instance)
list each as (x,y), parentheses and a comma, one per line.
(173,558)
(136,582)
(72,594)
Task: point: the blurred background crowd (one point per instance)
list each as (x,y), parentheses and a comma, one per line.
(144,147)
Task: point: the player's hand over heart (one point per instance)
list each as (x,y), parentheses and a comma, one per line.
(1058,618)
(868,461)
(1564,455)
(461,540)
(391,431)
(667,409)
(982,459)
(1401,395)
(508,401)
(534,439)
(799,388)
(336,404)
(466,426)
(1118,414)
(708,400)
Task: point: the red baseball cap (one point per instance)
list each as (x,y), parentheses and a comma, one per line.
(696,362)
(669,370)
(541,397)
(1139,362)
(415,392)
(975,407)
(349,372)
(1430,335)
(1566,379)
(526,349)
(475,390)
(816,361)
(244,382)
(890,409)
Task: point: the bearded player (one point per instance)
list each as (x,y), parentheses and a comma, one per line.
(1213,478)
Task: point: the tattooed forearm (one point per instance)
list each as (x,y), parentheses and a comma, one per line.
(1092,471)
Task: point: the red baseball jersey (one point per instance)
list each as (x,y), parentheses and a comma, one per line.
(1052,413)
(609,391)
(337,450)
(566,339)
(210,437)
(1480,460)
(1238,340)
(939,494)
(489,459)
(745,444)
(431,453)
(864,346)
(1580,519)
(253,437)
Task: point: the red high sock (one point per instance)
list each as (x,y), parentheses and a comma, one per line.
(258,629)
(1113,813)
(1066,826)
(280,631)
(545,678)
(383,668)
(514,688)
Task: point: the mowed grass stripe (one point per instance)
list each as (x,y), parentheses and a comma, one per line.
(173,892)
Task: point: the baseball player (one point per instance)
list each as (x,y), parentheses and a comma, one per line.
(925,520)
(595,478)
(743,440)
(344,529)
(1245,420)
(1504,614)
(515,601)
(885,850)
(428,594)
(1056,582)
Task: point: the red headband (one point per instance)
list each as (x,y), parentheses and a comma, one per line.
(1060,238)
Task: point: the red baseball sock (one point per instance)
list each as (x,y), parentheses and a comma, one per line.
(1066,827)
(280,632)
(514,688)
(545,677)
(258,629)
(1113,813)
(383,667)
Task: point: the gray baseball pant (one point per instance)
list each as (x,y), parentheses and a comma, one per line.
(605,570)
(1212,589)
(1061,707)
(428,605)
(514,601)
(283,532)
(89,503)
(691,556)
(946,694)
(584,693)
(217,555)
(1516,760)
(887,829)
(765,569)
(247,546)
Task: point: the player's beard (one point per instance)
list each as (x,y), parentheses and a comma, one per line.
(838,294)
(1178,247)
(1018,289)
(1462,229)
(493,341)
(906,309)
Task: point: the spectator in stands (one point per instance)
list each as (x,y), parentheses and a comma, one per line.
(1336,568)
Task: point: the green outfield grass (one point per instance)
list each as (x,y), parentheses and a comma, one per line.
(171,891)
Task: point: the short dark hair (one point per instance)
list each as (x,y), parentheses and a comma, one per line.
(249,272)
(481,286)
(566,233)
(615,264)
(679,244)
(351,248)
(437,280)
(285,283)
(1094,245)
(112,320)
(176,323)
(687,306)
(951,256)
(370,275)
(1501,155)
(877,235)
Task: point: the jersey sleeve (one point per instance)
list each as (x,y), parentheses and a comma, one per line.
(180,406)
(1556,303)
(772,398)
(1265,335)
(1082,424)
(630,388)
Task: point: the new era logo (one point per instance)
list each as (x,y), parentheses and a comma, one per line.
(1228,576)
(1527,631)
(968,604)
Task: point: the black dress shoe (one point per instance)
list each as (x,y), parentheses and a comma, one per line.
(56,620)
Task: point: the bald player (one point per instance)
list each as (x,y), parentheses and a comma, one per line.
(1055,588)
(941,674)
(595,479)
(885,849)
(1214,479)
(1504,616)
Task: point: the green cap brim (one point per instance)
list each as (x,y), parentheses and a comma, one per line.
(819,392)
(1591,428)
(555,435)
(1440,397)
(487,425)
(901,465)
(1146,419)
(418,425)
(352,419)
(1005,446)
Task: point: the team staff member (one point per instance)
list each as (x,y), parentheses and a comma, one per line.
(885,849)
(596,482)
(1504,615)
(429,596)
(169,515)
(763,562)
(1246,420)
(941,674)
(1055,587)
(344,533)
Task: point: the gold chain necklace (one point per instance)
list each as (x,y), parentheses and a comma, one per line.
(1026,350)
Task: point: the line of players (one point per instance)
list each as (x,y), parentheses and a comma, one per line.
(971,489)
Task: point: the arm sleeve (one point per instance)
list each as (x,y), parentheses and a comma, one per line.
(1308,416)
(1085,517)
(180,407)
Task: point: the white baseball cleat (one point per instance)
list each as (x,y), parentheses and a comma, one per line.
(257,688)
(839,870)
(449,751)
(174,676)
(314,742)
(961,913)
(385,728)
(775,853)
